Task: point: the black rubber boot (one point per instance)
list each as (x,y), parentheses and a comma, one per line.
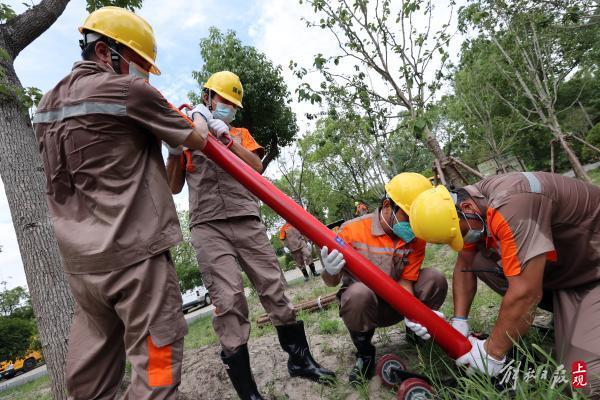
(365,357)
(240,374)
(306,277)
(313,270)
(301,363)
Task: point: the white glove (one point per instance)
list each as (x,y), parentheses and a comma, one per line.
(419,329)
(220,130)
(461,325)
(203,111)
(478,360)
(332,262)
(174,151)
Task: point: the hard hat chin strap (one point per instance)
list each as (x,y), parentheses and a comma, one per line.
(114,56)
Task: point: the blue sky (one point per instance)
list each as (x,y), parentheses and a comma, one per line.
(273,26)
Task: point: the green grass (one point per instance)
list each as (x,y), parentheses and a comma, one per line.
(200,333)
(38,389)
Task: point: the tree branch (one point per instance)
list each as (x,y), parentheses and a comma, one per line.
(20,31)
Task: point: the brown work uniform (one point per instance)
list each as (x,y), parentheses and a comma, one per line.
(227,234)
(360,307)
(297,243)
(113,214)
(534,213)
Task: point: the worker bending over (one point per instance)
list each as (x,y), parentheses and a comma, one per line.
(385,238)
(529,236)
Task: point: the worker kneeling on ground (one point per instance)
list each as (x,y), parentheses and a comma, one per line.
(298,246)
(533,237)
(385,238)
(227,234)
(113,212)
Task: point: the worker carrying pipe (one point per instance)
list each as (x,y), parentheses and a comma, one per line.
(386,239)
(227,234)
(453,343)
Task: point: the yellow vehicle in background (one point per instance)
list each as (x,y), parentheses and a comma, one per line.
(8,368)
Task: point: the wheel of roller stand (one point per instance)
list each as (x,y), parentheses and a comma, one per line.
(385,367)
(415,389)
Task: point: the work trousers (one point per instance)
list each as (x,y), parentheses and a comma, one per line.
(362,310)
(132,313)
(576,321)
(302,257)
(222,247)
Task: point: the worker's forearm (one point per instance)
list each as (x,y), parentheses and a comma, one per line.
(464,285)
(175,174)
(464,288)
(330,280)
(247,156)
(515,318)
(197,139)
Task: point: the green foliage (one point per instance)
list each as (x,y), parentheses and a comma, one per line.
(343,163)
(15,337)
(184,257)
(6,13)
(129,4)
(387,71)
(15,302)
(516,88)
(266,113)
(592,137)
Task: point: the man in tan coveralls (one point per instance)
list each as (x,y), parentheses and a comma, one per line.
(541,232)
(298,246)
(99,132)
(384,238)
(227,233)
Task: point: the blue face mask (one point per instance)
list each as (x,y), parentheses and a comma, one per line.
(403,230)
(224,112)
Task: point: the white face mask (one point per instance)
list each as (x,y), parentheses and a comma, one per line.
(136,70)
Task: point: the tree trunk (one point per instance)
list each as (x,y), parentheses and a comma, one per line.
(573,160)
(450,171)
(24,181)
(271,154)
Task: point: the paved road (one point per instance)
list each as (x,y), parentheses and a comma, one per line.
(189,317)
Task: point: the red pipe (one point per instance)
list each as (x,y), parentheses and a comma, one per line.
(448,338)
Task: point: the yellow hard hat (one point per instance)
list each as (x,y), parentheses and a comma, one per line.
(227,85)
(434,219)
(126,28)
(405,187)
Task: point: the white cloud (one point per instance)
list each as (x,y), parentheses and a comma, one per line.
(281,34)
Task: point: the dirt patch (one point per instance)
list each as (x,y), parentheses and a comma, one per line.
(204,375)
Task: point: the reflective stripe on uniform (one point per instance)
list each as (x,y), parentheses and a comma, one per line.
(160,369)
(534,183)
(80,109)
(359,245)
